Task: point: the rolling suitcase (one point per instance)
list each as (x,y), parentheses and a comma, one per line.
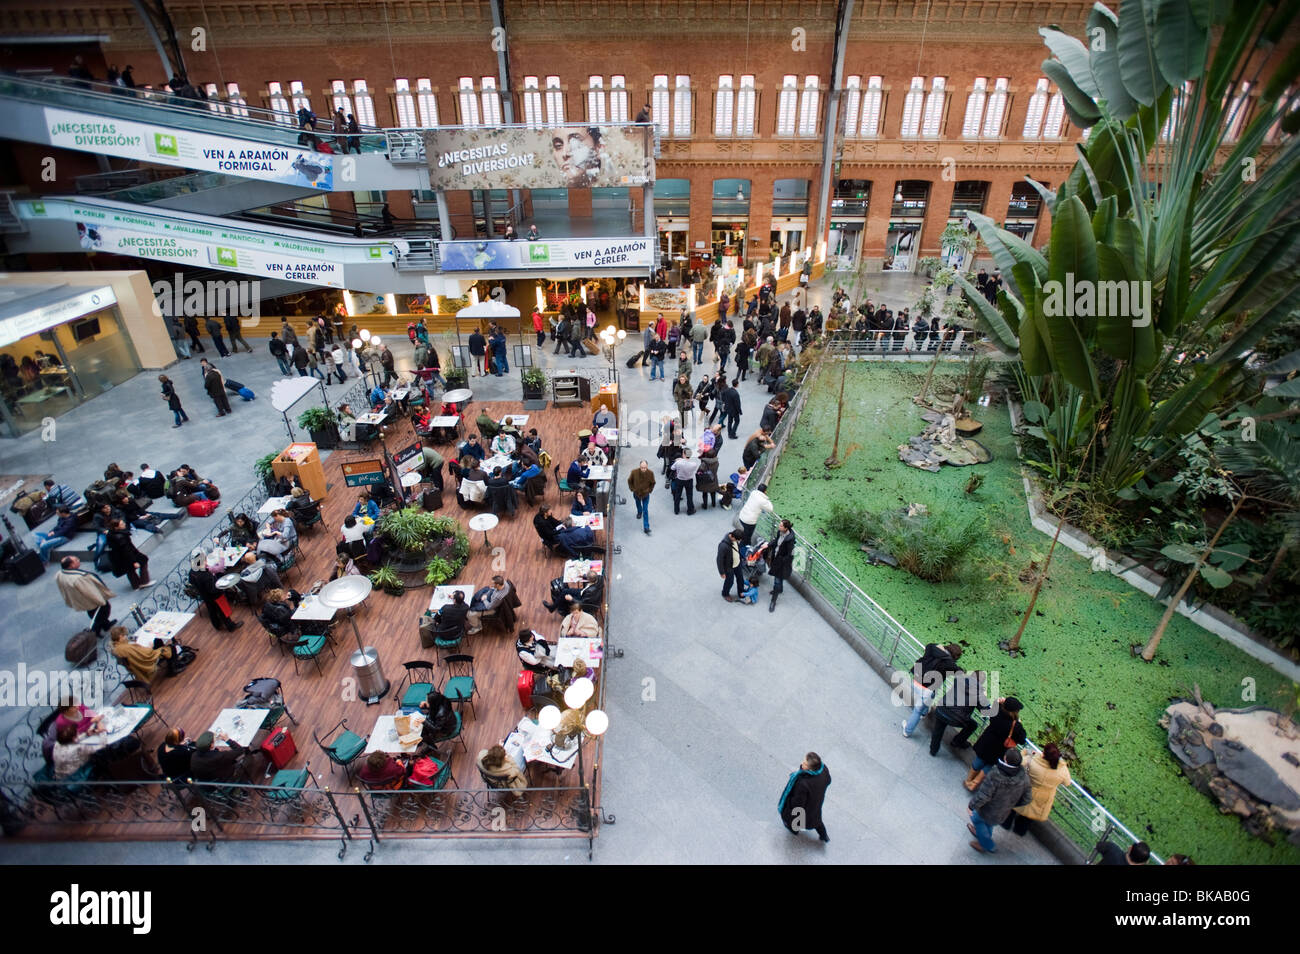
(524,684)
(591,346)
(25,567)
(431,499)
(81,648)
(631,362)
(279,747)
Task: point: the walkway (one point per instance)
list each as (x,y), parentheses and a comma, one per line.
(710,708)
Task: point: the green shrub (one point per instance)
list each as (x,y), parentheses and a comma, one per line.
(439,571)
(926,545)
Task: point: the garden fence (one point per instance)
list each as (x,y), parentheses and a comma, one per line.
(1083,819)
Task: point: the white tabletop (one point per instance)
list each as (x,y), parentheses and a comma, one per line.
(442,596)
(228,581)
(588,649)
(164,625)
(594,520)
(575,570)
(532,740)
(399,393)
(229,556)
(516,420)
(600,473)
(119,722)
(458,395)
(497,460)
(240,724)
(312,609)
(450,420)
(411,478)
(370,418)
(483,522)
(611,434)
(383,737)
(272,504)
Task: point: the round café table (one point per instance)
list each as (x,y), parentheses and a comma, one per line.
(459,397)
(346,593)
(483,522)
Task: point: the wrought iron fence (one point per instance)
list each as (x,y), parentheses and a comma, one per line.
(1078,815)
(898,343)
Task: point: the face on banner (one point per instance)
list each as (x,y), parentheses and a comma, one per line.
(579,155)
(569,157)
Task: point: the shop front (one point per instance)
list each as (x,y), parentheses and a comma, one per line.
(60,346)
(728,241)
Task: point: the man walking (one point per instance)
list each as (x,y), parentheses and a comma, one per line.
(805,791)
(83,590)
(729,407)
(386,362)
(780,560)
(236,334)
(192,329)
(647,338)
(477,352)
(214,329)
(683,395)
(279,352)
(641,482)
(658,351)
(699,335)
(729,565)
(1004,788)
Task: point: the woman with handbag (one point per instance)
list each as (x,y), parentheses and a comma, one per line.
(126,559)
(1047,772)
(1003,732)
(205,587)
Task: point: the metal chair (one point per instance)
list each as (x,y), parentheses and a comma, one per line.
(416,691)
(460,685)
(344,748)
(450,637)
(310,647)
(563,484)
(139,693)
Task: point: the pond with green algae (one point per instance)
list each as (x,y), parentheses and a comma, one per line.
(1077,672)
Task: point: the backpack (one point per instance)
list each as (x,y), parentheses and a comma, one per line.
(425,771)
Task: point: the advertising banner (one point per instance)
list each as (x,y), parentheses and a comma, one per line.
(408,459)
(363,473)
(667,299)
(556,157)
(635,254)
(292,165)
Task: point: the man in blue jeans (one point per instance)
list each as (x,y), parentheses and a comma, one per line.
(1006,786)
(641,482)
(59,534)
(658,350)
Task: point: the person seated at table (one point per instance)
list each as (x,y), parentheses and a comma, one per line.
(241,532)
(140,661)
(365,507)
(449,409)
(498,479)
(277,612)
(588,594)
(535,652)
(577,473)
(299,502)
(579,623)
(256,577)
(83,719)
(278,534)
(381,770)
(284,485)
(526,474)
(502,444)
(560,680)
(533,440)
(471,448)
(594,456)
(473,483)
(439,716)
(421,420)
(485,600)
(574,540)
(211,763)
(377,397)
(204,585)
(69,756)
(545,523)
(175,754)
(354,529)
(343,566)
(526,455)
(496,765)
(486,425)
(452,614)
(581,504)
(602,418)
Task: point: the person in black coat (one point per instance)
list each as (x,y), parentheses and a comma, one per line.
(191,325)
(801,802)
(214,329)
(780,560)
(173,403)
(205,586)
(215,385)
(1005,727)
(929,672)
(730,566)
(211,763)
(175,755)
(300,361)
(454,613)
(439,718)
(125,558)
(960,699)
(477,350)
(729,402)
(546,524)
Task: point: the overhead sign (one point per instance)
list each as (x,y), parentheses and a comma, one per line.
(636,254)
(47,316)
(408,460)
(362,473)
(269,162)
(555,157)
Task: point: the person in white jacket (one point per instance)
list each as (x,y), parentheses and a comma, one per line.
(754,508)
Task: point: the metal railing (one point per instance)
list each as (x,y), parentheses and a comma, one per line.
(1079,816)
(898,343)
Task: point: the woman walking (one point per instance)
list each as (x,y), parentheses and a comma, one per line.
(126,559)
(173,400)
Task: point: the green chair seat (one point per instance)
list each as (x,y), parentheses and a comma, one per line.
(459,688)
(416,693)
(348,746)
(453,733)
(285,783)
(313,646)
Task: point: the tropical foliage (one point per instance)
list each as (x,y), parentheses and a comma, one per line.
(1207,224)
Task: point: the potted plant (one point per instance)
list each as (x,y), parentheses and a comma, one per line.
(534,382)
(262,467)
(439,571)
(456,378)
(322,424)
(452,542)
(386,579)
